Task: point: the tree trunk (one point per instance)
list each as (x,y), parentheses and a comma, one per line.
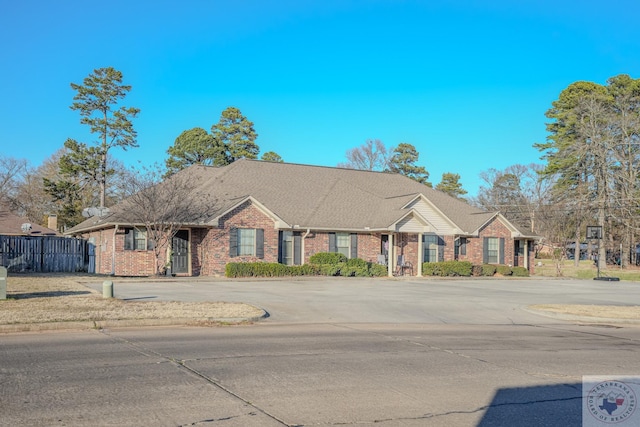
(602,253)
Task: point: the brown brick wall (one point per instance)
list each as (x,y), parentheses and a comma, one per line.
(210,247)
(127,263)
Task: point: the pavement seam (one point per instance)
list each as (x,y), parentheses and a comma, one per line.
(181,364)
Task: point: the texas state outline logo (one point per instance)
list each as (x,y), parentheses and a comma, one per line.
(611,402)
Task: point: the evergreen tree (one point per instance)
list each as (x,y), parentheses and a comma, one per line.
(236,134)
(403,161)
(96,101)
(451,185)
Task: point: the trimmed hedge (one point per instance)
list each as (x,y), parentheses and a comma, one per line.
(352,268)
(447,268)
(520,272)
(488,269)
(504,270)
(357,267)
(327,258)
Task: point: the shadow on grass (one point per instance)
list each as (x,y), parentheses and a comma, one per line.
(51,294)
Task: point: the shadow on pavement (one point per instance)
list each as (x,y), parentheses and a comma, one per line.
(547,405)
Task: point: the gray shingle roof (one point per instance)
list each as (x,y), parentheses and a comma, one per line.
(11,225)
(318,197)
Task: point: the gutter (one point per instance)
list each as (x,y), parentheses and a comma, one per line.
(113,253)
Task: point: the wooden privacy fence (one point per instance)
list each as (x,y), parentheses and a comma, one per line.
(45,254)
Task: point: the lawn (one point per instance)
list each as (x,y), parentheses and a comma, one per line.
(585,270)
(47,299)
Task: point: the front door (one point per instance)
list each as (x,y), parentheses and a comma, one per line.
(180,252)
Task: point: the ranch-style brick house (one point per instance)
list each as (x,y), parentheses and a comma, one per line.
(285,213)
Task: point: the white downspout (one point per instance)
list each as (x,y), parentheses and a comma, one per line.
(113,252)
(419,273)
(391,257)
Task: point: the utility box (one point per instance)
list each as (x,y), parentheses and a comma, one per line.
(3,283)
(107,289)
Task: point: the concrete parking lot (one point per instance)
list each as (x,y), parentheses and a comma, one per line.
(383,300)
(347,352)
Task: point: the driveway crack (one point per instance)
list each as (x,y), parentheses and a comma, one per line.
(181,364)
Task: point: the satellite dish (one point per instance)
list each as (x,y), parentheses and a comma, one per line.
(99,212)
(26,227)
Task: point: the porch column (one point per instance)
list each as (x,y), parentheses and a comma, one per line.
(526,254)
(419,272)
(391,256)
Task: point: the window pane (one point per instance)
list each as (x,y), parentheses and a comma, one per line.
(493,250)
(139,239)
(287,248)
(430,248)
(342,243)
(246,241)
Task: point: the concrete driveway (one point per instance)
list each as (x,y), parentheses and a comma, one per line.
(384,300)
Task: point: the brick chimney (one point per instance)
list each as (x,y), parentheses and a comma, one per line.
(52,222)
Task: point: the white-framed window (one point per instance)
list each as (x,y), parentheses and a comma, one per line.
(246,241)
(493,250)
(430,248)
(343,243)
(135,239)
(287,248)
(139,239)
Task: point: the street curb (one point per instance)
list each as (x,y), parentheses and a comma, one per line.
(125,323)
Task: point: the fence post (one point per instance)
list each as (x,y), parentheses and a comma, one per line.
(3,283)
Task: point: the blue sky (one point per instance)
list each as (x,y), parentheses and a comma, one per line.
(467,82)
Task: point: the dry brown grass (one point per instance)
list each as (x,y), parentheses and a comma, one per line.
(592,311)
(51,299)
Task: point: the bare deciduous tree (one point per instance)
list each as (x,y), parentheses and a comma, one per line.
(370,156)
(163,207)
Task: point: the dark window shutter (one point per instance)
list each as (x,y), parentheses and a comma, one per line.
(150,243)
(259,243)
(233,242)
(440,249)
(501,250)
(280,246)
(354,245)
(128,239)
(332,242)
(297,249)
(485,250)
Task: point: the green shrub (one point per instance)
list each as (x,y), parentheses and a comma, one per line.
(476,270)
(520,272)
(447,268)
(377,270)
(330,269)
(488,270)
(327,258)
(357,262)
(269,269)
(504,270)
(351,268)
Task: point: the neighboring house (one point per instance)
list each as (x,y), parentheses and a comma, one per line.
(22,242)
(285,213)
(14,225)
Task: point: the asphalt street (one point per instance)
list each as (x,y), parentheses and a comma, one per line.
(333,353)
